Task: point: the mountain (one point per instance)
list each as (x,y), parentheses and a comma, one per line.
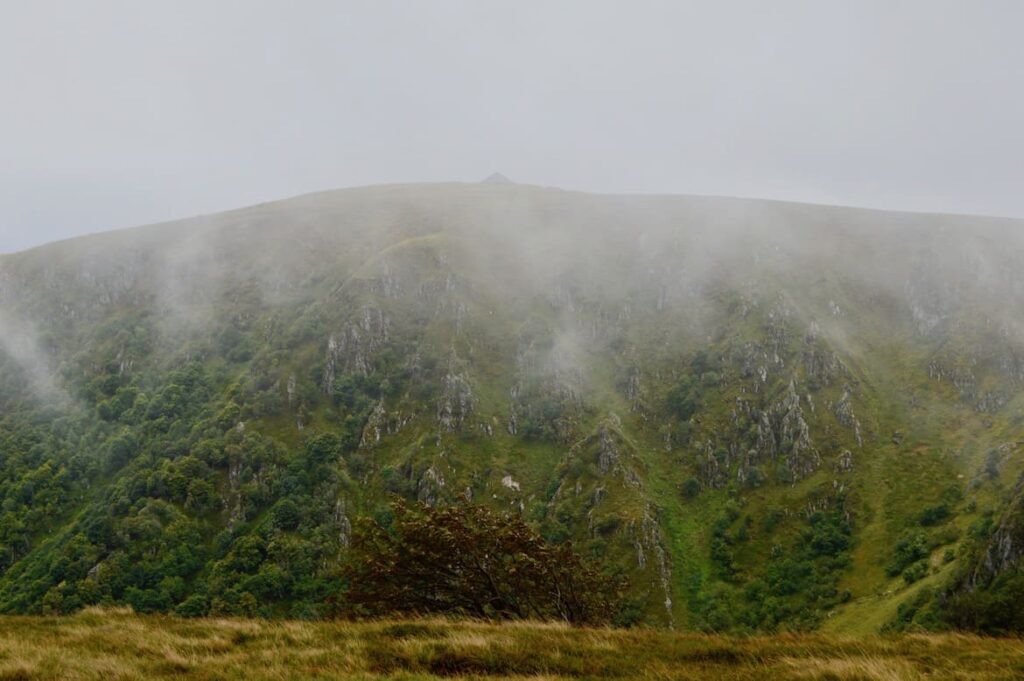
(767,415)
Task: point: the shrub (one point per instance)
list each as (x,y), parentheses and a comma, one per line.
(193,606)
(934,515)
(286,515)
(469,560)
(691,488)
(910,548)
(915,572)
(829,535)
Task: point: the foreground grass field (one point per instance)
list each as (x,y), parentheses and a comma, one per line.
(119,645)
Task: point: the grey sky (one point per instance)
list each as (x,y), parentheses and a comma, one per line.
(122,113)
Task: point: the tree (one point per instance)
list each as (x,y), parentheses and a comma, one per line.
(683,399)
(691,488)
(469,560)
(286,515)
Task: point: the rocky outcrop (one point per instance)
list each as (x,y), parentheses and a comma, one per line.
(1004,550)
(756,362)
(455,402)
(783,433)
(647,541)
(713,463)
(634,391)
(343,524)
(290,387)
(843,409)
(382,422)
(985,372)
(430,486)
(820,363)
(844,464)
(610,459)
(352,349)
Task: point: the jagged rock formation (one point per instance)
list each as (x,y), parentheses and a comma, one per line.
(783,433)
(351,350)
(1004,549)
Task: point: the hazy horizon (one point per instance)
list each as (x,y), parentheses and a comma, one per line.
(121,115)
(398,185)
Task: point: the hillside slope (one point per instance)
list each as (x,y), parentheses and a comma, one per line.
(766,414)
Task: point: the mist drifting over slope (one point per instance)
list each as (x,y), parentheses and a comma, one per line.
(527,241)
(680,385)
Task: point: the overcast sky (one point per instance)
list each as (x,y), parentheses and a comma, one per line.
(121,113)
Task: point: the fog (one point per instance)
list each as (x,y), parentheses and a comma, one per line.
(19,341)
(122,113)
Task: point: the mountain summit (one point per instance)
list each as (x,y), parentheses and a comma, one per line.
(496,178)
(766,415)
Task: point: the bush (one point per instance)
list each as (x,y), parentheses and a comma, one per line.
(830,534)
(691,488)
(683,400)
(915,572)
(910,548)
(995,609)
(286,515)
(934,515)
(193,606)
(469,560)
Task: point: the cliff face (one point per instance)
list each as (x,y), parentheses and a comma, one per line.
(693,390)
(1002,551)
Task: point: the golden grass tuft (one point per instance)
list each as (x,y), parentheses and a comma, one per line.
(118,645)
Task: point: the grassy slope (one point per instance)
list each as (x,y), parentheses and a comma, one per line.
(117,645)
(943,441)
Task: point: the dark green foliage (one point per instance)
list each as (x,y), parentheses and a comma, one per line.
(915,572)
(286,515)
(981,528)
(913,614)
(721,543)
(934,515)
(829,535)
(799,583)
(691,488)
(911,547)
(995,609)
(470,560)
(683,400)
(178,468)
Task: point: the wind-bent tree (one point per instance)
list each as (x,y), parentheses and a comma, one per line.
(469,560)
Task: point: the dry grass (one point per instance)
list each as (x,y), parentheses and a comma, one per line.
(118,645)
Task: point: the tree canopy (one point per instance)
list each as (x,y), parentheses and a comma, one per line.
(472,561)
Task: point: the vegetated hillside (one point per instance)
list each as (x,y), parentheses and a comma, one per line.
(96,645)
(767,415)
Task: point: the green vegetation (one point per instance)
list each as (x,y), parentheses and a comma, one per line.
(798,585)
(754,432)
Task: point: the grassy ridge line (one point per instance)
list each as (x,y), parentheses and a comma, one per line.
(99,644)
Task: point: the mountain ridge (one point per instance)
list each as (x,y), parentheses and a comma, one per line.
(724,198)
(768,415)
